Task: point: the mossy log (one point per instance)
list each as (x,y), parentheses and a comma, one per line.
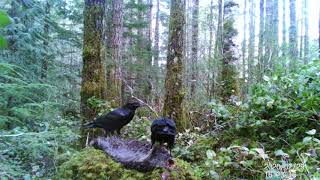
(123,159)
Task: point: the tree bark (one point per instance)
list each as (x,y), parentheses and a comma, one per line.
(284,32)
(244,47)
(115,71)
(194,56)
(306,32)
(174,95)
(293,45)
(93,73)
(218,49)
(251,45)
(261,41)
(156,36)
(211,60)
(275,33)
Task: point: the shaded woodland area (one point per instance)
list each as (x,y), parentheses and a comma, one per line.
(240,79)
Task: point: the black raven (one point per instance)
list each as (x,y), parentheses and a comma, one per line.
(163,131)
(116,119)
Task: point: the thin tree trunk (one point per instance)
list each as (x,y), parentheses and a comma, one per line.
(275,33)
(174,95)
(261,41)
(251,45)
(268,36)
(284,32)
(194,49)
(306,32)
(244,47)
(293,45)
(211,60)
(156,36)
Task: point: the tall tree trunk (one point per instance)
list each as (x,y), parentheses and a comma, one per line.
(218,49)
(284,32)
(275,33)
(93,73)
(244,48)
(211,30)
(156,36)
(301,36)
(211,60)
(46,40)
(174,95)
(293,45)
(251,45)
(306,31)
(268,38)
(194,56)
(229,82)
(319,36)
(115,75)
(261,41)
(156,53)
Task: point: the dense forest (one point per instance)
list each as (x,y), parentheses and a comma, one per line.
(239,78)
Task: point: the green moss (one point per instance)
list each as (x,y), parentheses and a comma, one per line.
(95,164)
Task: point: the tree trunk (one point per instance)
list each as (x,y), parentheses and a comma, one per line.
(115,71)
(93,72)
(293,45)
(251,45)
(275,33)
(218,49)
(268,39)
(194,56)
(284,32)
(244,47)
(174,95)
(261,41)
(229,83)
(306,32)
(156,36)
(211,60)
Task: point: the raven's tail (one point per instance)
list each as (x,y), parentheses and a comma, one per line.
(89,125)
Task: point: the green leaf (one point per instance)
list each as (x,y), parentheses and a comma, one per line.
(307,139)
(311,132)
(210,154)
(3,42)
(280,153)
(4,19)
(266,78)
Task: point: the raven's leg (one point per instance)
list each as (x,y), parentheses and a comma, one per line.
(104,133)
(118,132)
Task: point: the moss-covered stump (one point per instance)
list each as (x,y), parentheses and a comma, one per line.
(95,164)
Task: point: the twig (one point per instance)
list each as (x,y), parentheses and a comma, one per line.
(155,112)
(87,141)
(20,134)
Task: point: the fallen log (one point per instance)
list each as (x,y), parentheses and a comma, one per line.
(134,154)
